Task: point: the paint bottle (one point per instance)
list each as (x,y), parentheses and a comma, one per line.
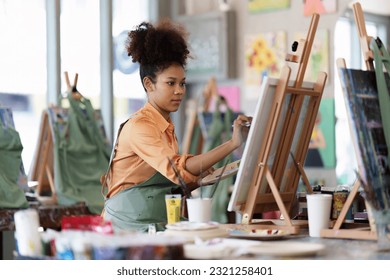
(172,203)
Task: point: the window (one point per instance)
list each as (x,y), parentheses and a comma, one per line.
(129,95)
(23,68)
(80,46)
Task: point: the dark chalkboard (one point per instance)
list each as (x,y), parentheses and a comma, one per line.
(362,104)
(212,45)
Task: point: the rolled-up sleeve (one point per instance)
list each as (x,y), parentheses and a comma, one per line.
(156,147)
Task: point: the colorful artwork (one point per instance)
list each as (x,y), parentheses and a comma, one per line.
(322,149)
(255,6)
(319,56)
(264,56)
(231,95)
(319,7)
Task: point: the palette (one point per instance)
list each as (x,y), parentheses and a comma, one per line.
(259,234)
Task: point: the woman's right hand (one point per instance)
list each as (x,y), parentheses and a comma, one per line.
(241,127)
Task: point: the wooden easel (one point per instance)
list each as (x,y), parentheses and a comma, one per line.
(267,191)
(350,231)
(358,231)
(42,170)
(192,120)
(209,91)
(364,39)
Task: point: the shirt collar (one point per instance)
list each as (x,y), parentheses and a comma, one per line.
(161,122)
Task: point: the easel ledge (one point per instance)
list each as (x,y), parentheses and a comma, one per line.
(273,224)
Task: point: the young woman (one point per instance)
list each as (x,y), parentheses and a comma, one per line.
(141,174)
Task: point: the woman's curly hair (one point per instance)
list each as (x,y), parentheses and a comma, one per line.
(157,47)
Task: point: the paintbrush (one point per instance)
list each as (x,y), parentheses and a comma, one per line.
(181,180)
(219,179)
(246,124)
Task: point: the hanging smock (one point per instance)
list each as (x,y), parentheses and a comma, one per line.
(382,60)
(81,155)
(218,132)
(11,195)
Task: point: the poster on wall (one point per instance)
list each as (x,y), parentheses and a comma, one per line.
(319,6)
(264,56)
(319,56)
(259,6)
(322,149)
(231,95)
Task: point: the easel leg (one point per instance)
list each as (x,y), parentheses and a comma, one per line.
(277,196)
(347,205)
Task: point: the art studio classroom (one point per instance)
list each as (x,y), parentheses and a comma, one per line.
(201,131)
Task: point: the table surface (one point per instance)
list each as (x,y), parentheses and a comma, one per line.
(334,248)
(338,249)
(49,215)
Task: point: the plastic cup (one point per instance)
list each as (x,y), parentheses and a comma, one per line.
(199,209)
(318,208)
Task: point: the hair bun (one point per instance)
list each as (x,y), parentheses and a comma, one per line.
(162,44)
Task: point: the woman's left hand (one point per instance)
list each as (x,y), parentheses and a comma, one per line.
(207,172)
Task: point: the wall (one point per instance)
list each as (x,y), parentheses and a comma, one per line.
(290,20)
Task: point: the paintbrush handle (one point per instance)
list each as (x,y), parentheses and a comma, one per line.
(219,179)
(181,181)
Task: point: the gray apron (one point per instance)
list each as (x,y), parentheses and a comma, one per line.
(137,207)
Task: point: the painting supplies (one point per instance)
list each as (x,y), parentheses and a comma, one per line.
(181,180)
(219,179)
(27,235)
(246,124)
(173,202)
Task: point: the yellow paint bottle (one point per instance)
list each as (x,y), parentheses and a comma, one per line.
(173,203)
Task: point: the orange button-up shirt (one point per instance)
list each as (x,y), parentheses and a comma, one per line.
(144,145)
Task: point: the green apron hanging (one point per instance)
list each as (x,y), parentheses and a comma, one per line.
(137,207)
(80,157)
(382,59)
(218,132)
(11,195)
(196,138)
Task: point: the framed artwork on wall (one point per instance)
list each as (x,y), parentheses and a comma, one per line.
(319,56)
(264,56)
(319,6)
(259,6)
(322,147)
(212,45)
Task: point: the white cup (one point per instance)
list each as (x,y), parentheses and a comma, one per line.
(318,208)
(199,209)
(28,238)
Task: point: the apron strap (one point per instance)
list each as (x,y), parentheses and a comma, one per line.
(104,177)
